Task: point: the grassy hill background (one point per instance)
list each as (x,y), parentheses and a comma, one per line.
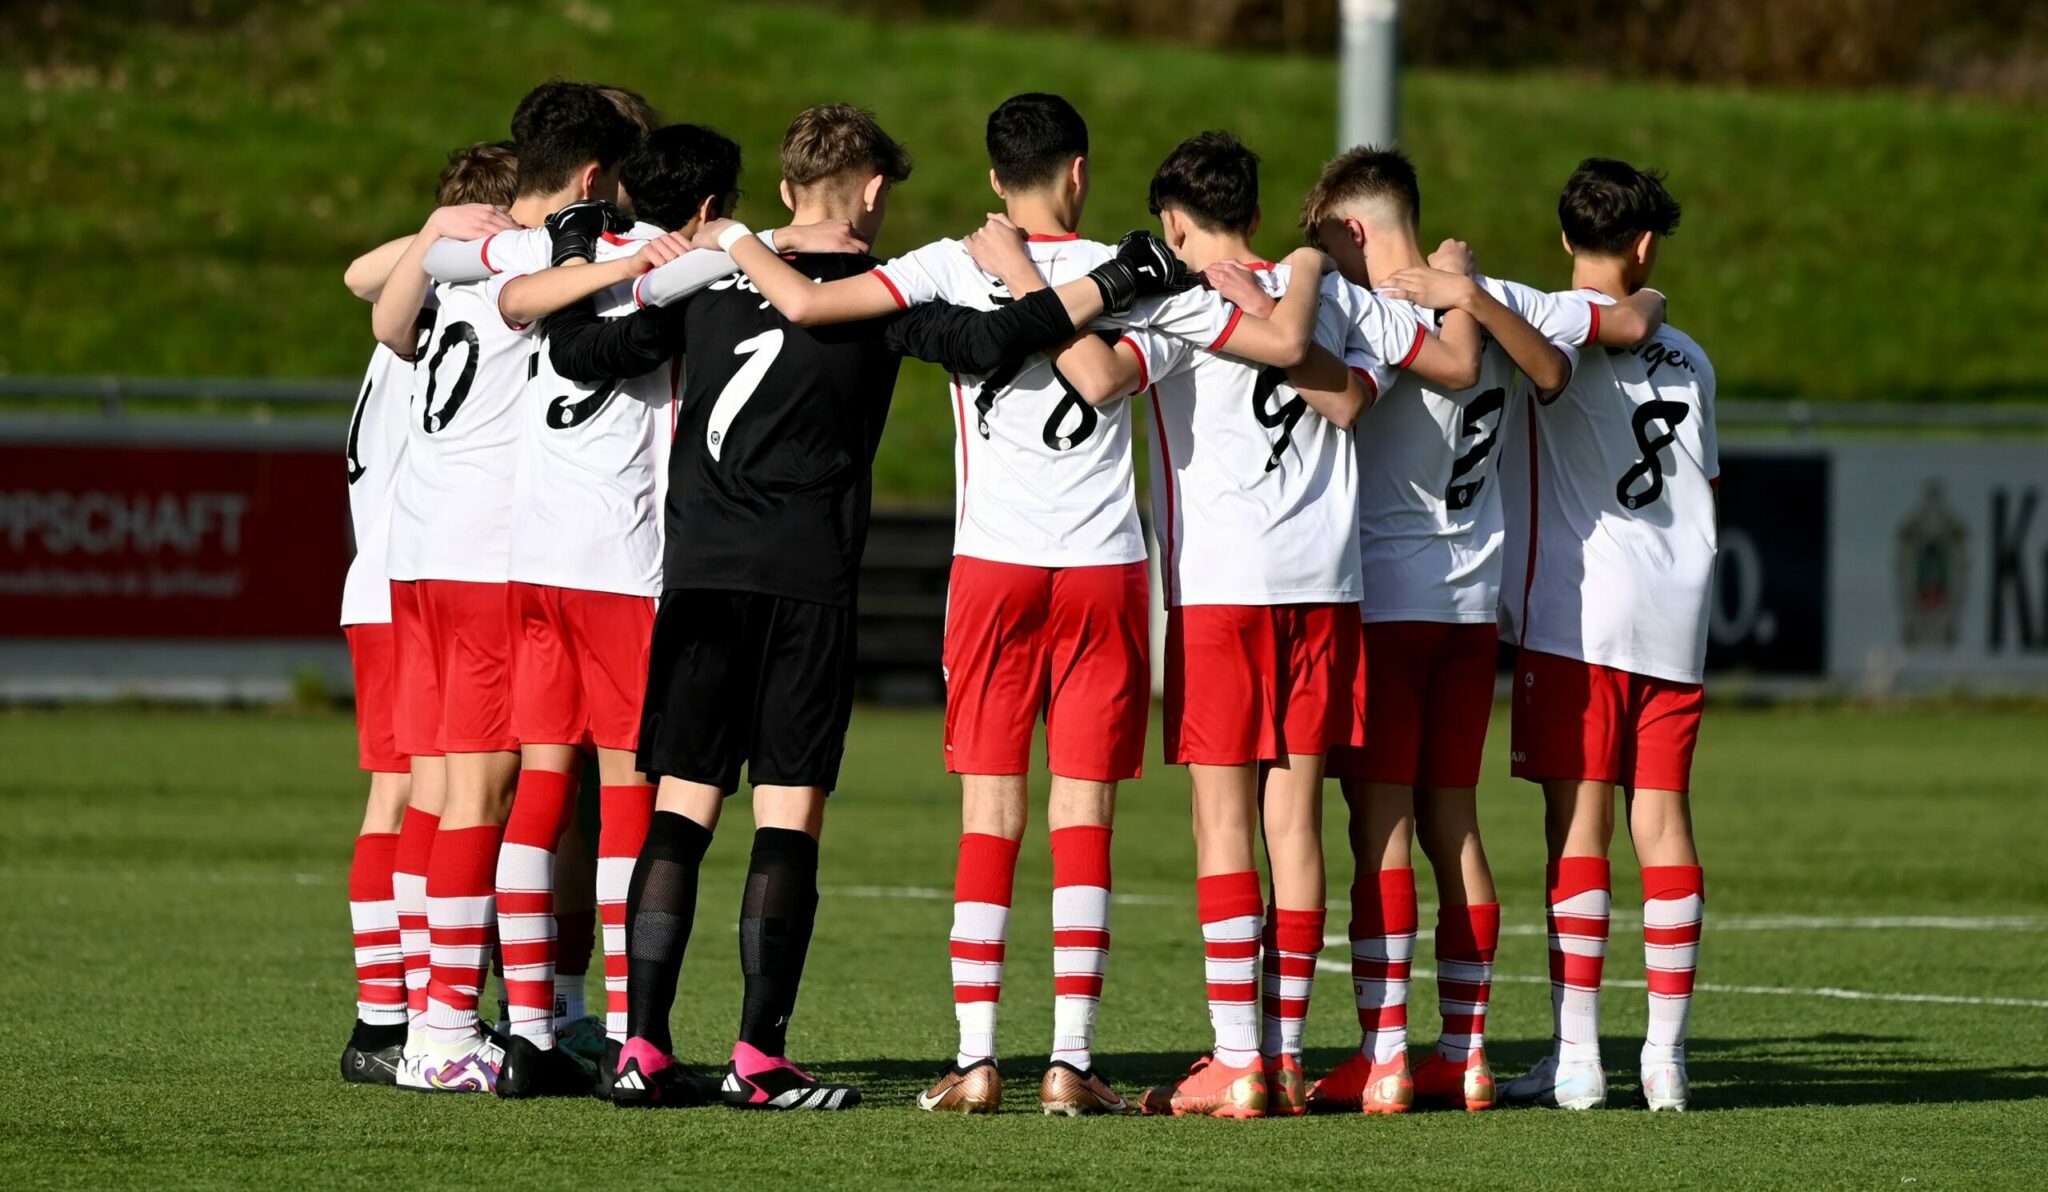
(182,200)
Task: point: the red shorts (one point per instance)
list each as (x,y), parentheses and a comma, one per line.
(1429,695)
(454,667)
(1070,642)
(1584,721)
(1247,683)
(579,665)
(373,655)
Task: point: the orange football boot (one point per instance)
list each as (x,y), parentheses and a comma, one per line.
(1211,1089)
(1359,1084)
(1286,1087)
(1442,1083)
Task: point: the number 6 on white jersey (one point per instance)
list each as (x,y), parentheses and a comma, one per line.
(760,351)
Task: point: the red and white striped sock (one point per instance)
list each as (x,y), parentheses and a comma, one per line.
(1466,937)
(1383,922)
(1292,941)
(1674,904)
(1580,897)
(409,895)
(1080,939)
(380,969)
(623,815)
(1229,907)
(461,921)
(982,884)
(575,934)
(526,900)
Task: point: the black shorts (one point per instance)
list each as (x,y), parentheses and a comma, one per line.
(740,678)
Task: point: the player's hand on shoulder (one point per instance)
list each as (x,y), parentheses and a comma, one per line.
(661,250)
(1236,283)
(469,221)
(1307,263)
(1454,256)
(997,247)
(827,235)
(575,229)
(709,231)
(1432,288)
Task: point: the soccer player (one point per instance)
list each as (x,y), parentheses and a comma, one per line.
(476,182)
(1255,500)
(1431,526)
(450,554)
(1047,606)
(1608,610)
(753,644)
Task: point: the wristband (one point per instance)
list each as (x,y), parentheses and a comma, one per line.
(733,235)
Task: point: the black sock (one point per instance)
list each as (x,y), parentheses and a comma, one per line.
(661,903)
(376,1038)
(776,915)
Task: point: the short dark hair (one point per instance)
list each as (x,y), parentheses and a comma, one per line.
(1031,138)
(1365,172)
(1606,204)
(485,172)
(670,173)
(632,105)
(561,126)
(1211,178)
(833,138)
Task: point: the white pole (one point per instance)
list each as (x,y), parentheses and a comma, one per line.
(1369,73)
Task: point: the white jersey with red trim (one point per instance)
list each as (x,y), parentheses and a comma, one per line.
(376,456)
(1614,562)
(1041,477)
(593,459)
(453,514)
(1254,494)
(1430,516)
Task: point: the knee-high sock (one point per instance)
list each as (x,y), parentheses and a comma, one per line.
(409,894)
(623,812)
(1080,939)
(461,922)
(982,883)
(1289,948)
(541,806)
(661,904)
(1579,900)
(380,970)
(776,917)
(1466,937)
(1674,904)
(1383,923)
(1229,906)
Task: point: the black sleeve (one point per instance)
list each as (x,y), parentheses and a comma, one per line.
(587,349)
(963,340)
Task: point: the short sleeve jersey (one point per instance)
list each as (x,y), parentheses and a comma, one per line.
(1430,516)
(771,473)
(1614,560)
(586,504)
(375,456)
(1040,476)
(453,513)
(1254,494)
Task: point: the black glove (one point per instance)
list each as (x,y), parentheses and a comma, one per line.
(575,229)
(1142,268)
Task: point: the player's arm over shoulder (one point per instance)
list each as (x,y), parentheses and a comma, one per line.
(796,296)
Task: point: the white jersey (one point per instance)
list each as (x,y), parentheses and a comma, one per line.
(1254,494)
(376,454)
(453,514)
(593,459)
(1617,474)
(1430,514)
(1041,477)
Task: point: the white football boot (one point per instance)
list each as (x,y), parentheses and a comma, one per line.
(1665,1084)
(1557,1084)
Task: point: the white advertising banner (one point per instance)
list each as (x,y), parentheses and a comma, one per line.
(1939,566)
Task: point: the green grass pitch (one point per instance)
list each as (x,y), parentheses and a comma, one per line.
(178,987)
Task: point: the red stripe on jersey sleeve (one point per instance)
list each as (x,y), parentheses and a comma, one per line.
(1372,396)
(613,238)
(1144,373)
(1593,327)
(1236,313)
(638,298)
(486,251)
(895,293)
(1414,349)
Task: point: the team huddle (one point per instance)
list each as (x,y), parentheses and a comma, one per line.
(611,473)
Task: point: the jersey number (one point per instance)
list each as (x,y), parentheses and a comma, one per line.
(1283,416)
(1057,434)
(454,333)
(565,413)
(1652,464)
(1461,492)
(760,352)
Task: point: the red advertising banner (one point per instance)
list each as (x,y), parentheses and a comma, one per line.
(171,541)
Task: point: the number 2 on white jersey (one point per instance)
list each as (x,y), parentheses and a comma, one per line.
(760,352)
